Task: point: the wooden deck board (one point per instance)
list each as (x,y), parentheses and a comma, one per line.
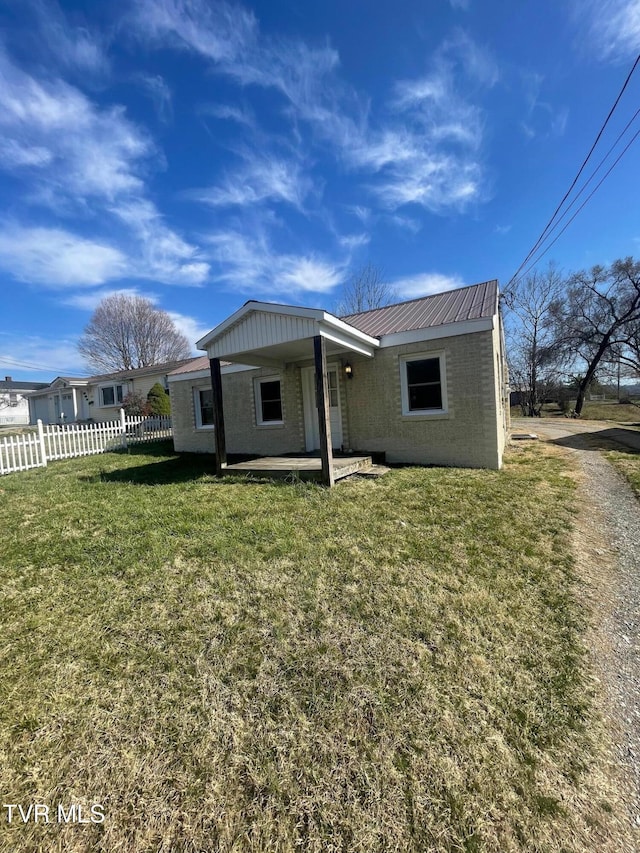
(308,467)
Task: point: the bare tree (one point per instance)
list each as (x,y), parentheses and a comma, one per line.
(366,289)
(600,317)
(129,331)
(534,352)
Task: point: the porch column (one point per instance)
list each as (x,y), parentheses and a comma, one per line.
(218,415)
(322,402)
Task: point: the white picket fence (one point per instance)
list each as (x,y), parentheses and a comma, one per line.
(34,450)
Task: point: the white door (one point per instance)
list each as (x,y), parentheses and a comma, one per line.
(311,426)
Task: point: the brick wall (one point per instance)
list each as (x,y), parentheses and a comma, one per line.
(243,434)
(466,436)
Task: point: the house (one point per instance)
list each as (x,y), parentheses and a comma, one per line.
(422,381)
(72,399)
(14,402)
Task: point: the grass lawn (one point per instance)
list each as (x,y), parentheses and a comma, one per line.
(392,665)
(628,463)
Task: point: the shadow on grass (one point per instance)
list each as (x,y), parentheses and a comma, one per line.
(180,469)
(616,438)
(183,468)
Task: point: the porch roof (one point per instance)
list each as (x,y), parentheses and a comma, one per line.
(263,333)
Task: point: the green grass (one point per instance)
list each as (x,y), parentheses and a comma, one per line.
(628,463)
(393,665)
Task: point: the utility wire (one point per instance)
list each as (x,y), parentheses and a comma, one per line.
(593,174)
(12,362)
(580,171)
(600,182)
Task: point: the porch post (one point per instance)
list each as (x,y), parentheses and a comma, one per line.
(322,402)
(218,415)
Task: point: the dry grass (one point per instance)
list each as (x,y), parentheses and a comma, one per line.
(593,410)
(628,463)
(394,665)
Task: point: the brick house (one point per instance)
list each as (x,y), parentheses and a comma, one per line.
(422,381)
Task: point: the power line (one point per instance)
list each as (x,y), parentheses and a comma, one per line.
(593,191)
(593,174)
(12,362)
(542,236)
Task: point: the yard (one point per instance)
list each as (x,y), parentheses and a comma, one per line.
(392,665)
(595,410)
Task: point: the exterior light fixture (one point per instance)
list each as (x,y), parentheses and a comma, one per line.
(348,370)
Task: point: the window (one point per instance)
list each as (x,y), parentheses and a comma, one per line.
(332,384)
(268,401)
(203,404)
(111,395)
(423,386)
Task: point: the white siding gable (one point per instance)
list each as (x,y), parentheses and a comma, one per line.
(261,329)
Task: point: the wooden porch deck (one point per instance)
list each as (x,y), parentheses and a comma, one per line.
(305,467)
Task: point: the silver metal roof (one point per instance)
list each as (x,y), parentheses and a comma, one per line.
(466,303)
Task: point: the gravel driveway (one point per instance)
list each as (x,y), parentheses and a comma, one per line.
(612,513)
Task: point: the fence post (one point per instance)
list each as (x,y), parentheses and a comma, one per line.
(123,427)
(43,451)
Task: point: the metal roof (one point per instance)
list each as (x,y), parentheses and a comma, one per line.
(164,368)
(466,303)
(200,363)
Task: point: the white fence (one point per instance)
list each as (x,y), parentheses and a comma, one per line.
(34,450)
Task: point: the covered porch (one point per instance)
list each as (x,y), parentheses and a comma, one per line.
(276,337)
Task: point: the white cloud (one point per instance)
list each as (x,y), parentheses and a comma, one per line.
(354,241)
(215,30)
(79,157)
(459,4)
(89,153)
(56,258)
(425,154)
(425,284)
(542,118)
(263,177)
(360,212)
(42,359)
(249,264)
(190,327)
(89,301)
(405,223)
(163,254)
(156,87)
(76,49)
(612,27)
(242,116)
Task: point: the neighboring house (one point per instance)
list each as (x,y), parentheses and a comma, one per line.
(72,399)
(14,402)
(422,381)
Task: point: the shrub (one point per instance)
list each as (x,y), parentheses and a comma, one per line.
(135,404)
(158,401)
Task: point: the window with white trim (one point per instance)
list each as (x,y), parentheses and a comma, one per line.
(111,395)
(268,390)
(203,406)
(423,384)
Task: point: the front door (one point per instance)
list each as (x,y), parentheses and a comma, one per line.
(311,426)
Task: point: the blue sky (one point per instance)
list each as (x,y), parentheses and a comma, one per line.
(206,153)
